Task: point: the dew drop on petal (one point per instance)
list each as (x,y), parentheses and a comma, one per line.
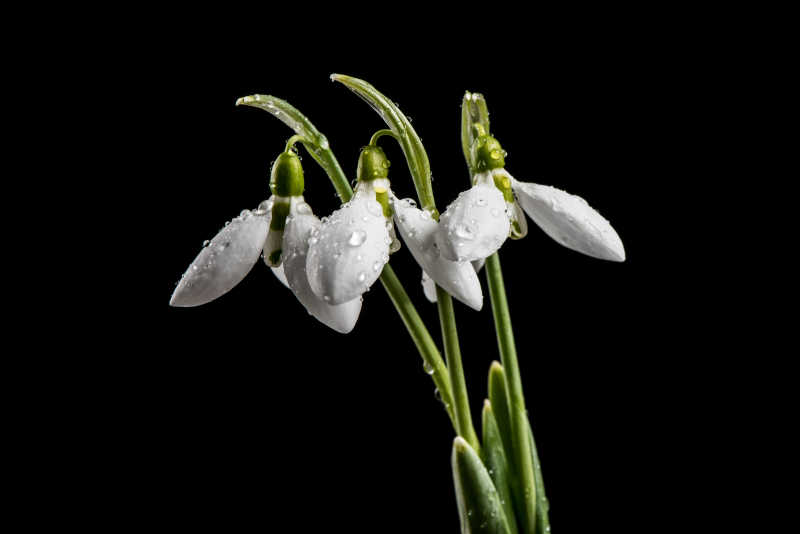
(375,208)
(481,202)
(464,232)
(357,238)
(304,209)
(362,276)
(376,266)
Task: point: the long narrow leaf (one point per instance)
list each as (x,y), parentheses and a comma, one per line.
(542,504)
(498,396)
(495,459)
(473,111)
(410,142)
(316,143)
(478,501)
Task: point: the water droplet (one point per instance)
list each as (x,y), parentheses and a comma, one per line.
(194,267)
(245,214)
(326,298)
(359,258)
(428,368)
(481,202)
(304,208)
(425,215)
(312,240)
(377,266)
(206,242)
(375,208)
(357,238)
(362,276)
(464,232)
(411,202)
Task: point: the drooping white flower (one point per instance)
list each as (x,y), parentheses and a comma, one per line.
(347,253)
(429,286)
(280,227)
(418,230)
(466,233)
(475,224)
(300,224)
(569,220)
(224,261)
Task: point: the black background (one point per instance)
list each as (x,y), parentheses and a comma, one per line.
(246,413)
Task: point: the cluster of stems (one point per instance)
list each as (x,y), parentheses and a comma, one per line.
(447,373)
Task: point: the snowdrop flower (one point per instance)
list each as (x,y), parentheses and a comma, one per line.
(418,230)
(280,227)
(347,253)
(477,223)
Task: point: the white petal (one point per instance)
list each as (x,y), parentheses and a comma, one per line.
(570,220)
(418,230)
(280,274)
(474,225)
(348,253)
(429,287)
(224,262)
(340,317)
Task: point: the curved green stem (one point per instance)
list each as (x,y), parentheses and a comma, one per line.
(380,133)
(452,351)
(421,337)
(523,458)
(291,141)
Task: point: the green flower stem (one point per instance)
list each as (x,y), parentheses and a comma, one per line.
(523,459)
(463,418)
(422,338)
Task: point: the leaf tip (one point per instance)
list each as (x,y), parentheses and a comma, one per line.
(246,100)
(460,445)
(496,367)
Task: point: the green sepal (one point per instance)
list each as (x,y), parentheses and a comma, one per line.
(478,501)
(314,141)
(410,142)
(495,459)
(473,112)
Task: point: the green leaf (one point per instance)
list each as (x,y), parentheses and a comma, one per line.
(478,501)
(496,462)
(498,396)
(473,111)
(410,142)
(314,141)
(542,504)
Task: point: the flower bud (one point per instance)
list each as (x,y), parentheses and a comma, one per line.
(487,153)
(286,179)
(372,164)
